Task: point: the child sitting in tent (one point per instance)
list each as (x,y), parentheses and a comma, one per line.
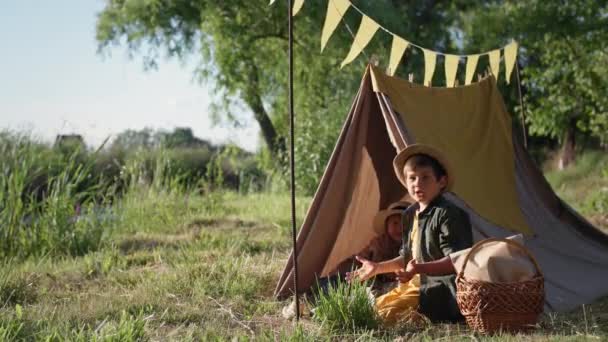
(386,245)
(437,228)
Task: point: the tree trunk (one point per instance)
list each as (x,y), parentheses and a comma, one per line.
(253,98)
(568,154)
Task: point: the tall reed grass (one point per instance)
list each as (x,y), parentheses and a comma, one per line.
(345,307)
(56,217)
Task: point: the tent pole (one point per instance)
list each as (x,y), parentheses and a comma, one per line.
(292,163)
(521,105)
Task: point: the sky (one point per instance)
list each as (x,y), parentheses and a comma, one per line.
(53,81)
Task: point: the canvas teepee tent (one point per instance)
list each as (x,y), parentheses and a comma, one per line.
(496,183)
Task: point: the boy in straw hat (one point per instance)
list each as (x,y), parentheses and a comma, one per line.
(433,229)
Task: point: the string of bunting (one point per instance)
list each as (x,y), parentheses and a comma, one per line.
(336,9)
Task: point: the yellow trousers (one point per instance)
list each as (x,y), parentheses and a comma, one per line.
(400,304)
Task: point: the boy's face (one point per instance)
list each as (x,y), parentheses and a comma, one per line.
(393,227)
(422,184)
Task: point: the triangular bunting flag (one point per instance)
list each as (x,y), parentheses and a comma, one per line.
(510,58)
(495,62)
(335,12)
(471,66)
(366,31)
(271,2)
(297,6)
(430,58)
(451,66)
(397,50)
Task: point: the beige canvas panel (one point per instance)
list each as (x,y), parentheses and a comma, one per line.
(496,262)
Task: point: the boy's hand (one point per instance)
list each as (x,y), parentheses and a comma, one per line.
(405,275)
(412,267)
(367,270)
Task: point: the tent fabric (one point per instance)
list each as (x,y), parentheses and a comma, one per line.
(359,180)
(478,145)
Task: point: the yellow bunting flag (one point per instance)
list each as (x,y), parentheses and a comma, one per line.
(430,58)
(471,66)
(495,62)
(451,66)
(366,31)
(335,12)
(510,57)
(297,6)
(397,50)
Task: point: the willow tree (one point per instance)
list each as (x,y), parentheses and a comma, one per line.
(242,47)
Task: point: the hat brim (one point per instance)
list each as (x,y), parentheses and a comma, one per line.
(406,153)
(381,217)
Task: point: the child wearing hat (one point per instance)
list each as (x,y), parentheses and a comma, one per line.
(385,245)
(433,229)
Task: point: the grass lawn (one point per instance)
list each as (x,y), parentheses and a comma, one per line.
(584,186)
(176,267)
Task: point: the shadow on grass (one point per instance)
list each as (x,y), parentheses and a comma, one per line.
(223,223)
(136,244)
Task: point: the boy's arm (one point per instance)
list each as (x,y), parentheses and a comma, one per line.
(455,232)
(369,268)
(439,267)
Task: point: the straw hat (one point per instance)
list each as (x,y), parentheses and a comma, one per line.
(396,208)
(406,153)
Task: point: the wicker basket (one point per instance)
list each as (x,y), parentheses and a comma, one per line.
(490,307)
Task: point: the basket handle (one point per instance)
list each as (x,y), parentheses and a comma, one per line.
(479,244)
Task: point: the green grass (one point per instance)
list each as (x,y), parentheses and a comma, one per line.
(202,275)
(164,262)
(345,307)
(584,186)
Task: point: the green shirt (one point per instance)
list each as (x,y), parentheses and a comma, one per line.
(443,229)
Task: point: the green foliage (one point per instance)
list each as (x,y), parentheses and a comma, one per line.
(346,307)
(563,57)
(242,46)
(190,162)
